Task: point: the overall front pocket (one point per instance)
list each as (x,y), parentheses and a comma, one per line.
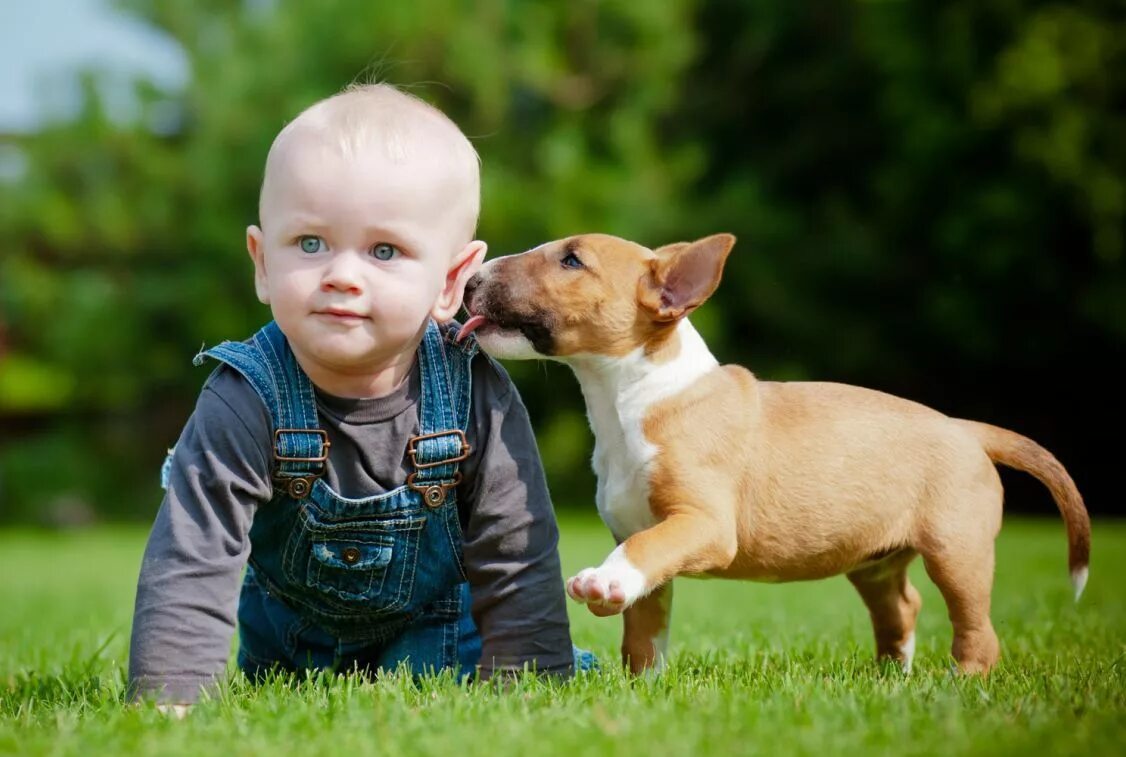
(352,568)
(356,567)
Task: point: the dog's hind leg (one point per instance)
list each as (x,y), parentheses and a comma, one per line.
(965,577)
(893,604)
(646,631)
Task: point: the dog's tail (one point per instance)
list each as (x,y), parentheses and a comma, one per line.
(1020,452)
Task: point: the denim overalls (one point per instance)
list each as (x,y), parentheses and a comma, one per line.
(373,582)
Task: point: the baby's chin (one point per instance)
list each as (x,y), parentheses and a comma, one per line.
(355,351)
(354,356)
(356,374)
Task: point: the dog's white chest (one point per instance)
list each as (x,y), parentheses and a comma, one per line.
(620,393)
(621,464)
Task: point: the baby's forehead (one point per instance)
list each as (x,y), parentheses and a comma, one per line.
(402,127)
(308,159)
(379,125)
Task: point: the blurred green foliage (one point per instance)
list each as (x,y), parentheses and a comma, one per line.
(929,198)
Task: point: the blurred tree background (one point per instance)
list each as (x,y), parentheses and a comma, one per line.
(930,199)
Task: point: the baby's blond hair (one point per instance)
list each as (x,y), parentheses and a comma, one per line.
(405,126)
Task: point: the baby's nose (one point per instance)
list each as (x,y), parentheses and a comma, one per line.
(344,272)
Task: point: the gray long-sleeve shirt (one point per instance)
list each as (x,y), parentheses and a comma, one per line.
(188,588)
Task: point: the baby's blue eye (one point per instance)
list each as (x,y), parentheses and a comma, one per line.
(311,244)
(384,251)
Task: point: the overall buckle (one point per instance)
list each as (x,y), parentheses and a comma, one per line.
(325,444)
(412,448)
(300,486)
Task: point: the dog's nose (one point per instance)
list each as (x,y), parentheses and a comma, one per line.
(473,283)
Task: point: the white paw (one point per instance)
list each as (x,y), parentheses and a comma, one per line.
(593,587)
(609,588)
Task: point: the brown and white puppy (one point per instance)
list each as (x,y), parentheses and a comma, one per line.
(703,469)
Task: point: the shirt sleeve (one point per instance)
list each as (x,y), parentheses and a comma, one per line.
(511,537)
(187,592)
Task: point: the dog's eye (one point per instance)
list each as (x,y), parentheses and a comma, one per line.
(570,260)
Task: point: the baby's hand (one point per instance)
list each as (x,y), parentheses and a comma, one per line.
(178,711)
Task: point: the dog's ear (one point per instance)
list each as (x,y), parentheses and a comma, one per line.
(669,249)
(683,276)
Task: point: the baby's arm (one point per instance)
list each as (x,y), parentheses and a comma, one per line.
(189,580)
(511,538)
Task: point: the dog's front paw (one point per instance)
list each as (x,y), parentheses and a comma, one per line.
(601,593)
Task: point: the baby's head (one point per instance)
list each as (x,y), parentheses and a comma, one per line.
(401,130)
(368,209)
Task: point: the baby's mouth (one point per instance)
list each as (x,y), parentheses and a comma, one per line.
(340,314)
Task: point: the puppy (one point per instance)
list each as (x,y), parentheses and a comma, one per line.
(703,469)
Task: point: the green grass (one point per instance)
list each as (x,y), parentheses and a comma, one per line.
(756,669)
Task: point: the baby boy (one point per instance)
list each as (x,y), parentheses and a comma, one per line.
(378,481)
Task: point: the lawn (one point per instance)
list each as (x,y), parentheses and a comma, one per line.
(755,669)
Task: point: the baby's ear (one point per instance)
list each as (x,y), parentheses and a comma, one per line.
(462,267)
(258,255)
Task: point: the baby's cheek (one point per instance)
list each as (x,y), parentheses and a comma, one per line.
(286,292)
(408,306)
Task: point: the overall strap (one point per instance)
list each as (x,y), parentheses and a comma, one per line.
(267,362)
(444,368)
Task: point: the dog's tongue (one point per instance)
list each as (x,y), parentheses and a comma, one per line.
(471,325)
